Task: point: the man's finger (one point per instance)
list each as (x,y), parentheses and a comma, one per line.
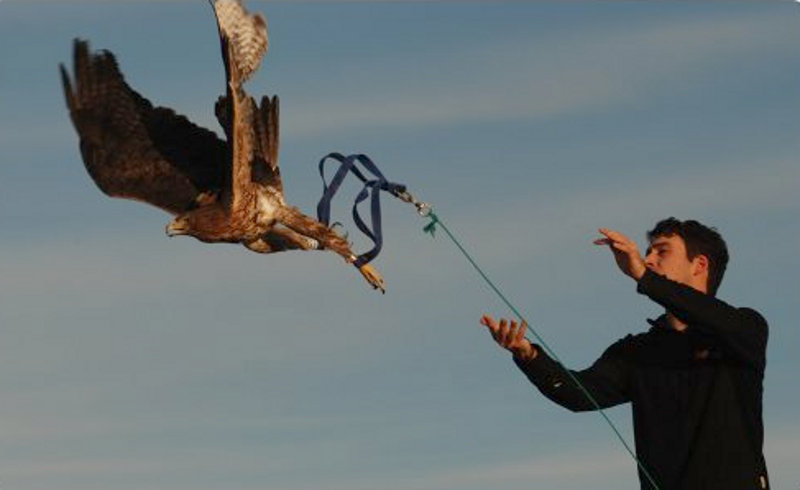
(494,329)
(614,235)
(512,333)
(491,324)
(609,232)
(521,333)
(502,332)
(621,246)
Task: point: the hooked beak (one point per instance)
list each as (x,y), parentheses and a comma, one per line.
(176,228)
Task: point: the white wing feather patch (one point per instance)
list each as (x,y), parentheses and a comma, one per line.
(246,33)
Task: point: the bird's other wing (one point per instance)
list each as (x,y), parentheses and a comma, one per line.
(267,131)
(134,150)
(243,37)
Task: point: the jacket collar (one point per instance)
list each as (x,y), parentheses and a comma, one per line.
(659,323)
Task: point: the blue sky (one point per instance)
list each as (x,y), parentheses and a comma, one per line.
(132,361)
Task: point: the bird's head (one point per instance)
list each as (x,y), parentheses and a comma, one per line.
(207,224)
(181,225)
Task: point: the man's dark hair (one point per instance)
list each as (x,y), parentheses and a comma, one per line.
(699,240)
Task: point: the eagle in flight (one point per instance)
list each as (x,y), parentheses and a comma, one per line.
(218,190)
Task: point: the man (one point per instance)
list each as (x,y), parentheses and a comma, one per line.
(694,379)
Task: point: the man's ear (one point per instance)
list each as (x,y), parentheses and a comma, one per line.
(700,265)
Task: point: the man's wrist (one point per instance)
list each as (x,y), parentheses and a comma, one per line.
(638,273)
(528,354)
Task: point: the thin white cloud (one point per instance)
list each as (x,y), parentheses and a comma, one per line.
(592,467)
(513,78)
(118,267)
(603,466)
(580,469)
(121,265)
(719,187)
(539,78)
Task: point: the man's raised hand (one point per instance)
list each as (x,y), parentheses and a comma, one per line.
(626,253)
(510,337)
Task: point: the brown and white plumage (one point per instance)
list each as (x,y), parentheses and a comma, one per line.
(219,191)
(246,33)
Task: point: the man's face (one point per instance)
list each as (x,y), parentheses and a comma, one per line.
(667,256)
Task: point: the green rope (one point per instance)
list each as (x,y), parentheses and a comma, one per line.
(431,229)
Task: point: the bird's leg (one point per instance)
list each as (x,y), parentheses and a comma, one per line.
(298,222)
(304,225)
(280,238)
(262,245)
(295,240)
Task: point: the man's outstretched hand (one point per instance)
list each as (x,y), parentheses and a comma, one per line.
(510,337)
(627,255)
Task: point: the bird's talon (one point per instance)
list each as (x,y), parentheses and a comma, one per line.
(373,277)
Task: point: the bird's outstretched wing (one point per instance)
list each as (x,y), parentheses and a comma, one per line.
(265,123)
(267,135)
(134,150)
(243,37)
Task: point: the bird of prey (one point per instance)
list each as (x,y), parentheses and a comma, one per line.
(218,190)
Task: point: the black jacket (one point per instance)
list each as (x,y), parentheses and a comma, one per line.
(696,394)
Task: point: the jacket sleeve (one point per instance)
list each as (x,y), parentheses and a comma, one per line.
(741,332)
(606,380)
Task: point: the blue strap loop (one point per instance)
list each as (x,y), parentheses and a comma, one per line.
(372,188)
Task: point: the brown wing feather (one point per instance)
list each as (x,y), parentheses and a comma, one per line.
(133,150)
(267,134)
(265,122)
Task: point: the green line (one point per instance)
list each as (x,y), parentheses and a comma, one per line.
(429,228)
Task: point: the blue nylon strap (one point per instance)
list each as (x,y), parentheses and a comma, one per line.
(346,165)
(372,188)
